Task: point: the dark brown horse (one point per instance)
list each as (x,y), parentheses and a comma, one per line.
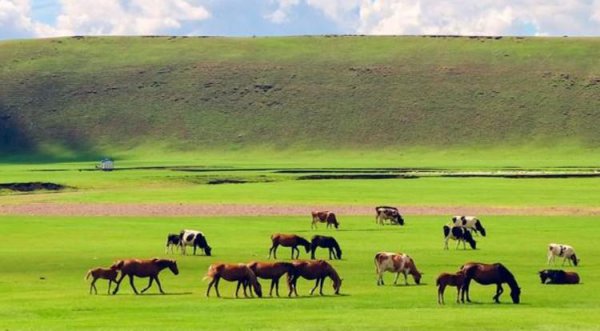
(240,273)
(325,242)
(288,240)
(487,274)
(549,276)
(316,269)
(144,268)
(271,270)
(446,279)
(102,273)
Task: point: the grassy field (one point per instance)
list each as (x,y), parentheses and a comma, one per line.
(45,259)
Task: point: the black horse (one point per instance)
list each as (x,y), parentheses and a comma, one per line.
(325,242)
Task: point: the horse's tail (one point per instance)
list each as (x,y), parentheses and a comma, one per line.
(88,274)
(210,273)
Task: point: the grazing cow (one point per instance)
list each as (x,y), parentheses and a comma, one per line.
(549,276)
(325,242)
(446,279)
(398,263)
(310,270)
(144,268)
(324,217)
(565,251)
(388,213)
(288,240)
(172,241)
(240,273)
(470,222)
(103,273)
(195,239)
(459,234)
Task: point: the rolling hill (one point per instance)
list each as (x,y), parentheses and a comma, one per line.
(89,95)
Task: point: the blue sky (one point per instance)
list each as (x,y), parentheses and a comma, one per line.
(49,18)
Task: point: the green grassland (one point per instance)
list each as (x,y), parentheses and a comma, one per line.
(410,100)
(45,258)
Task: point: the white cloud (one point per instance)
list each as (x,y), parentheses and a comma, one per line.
(466,17)
(105,17)
(281,14)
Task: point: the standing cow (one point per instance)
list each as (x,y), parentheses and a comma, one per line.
(195,239)
(459,234)
(565,251)
(388,213)
(469,222)
(398,263)
(324,217)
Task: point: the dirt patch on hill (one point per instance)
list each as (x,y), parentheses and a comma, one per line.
(57,209)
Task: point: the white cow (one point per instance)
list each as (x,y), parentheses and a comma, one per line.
(398,263)
(193,238)
(565,251)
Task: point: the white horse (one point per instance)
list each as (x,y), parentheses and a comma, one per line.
(565,251)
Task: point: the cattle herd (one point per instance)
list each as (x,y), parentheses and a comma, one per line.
(461,228)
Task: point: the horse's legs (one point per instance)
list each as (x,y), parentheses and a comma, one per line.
(314,288)
(321,287)
(149,284)
(465,289)
(109,284)
(274,251)
(118,283)
(237,289)
(293,248)
(441,288)
(209,286)
(330,252)
(132,285)
(499,291)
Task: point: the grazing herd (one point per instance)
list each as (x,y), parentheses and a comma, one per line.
(461,228)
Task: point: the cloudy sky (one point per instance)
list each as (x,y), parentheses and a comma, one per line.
(48,18)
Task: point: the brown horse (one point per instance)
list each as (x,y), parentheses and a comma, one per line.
(487,274)
(144,268)
(271,270)
(102,273)
(288,240)
(446,279)
(232,272)
(310,270)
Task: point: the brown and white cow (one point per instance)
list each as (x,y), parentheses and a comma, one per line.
(388,213)
(324,217)
(398,263)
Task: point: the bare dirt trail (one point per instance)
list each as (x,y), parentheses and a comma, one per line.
(165,210)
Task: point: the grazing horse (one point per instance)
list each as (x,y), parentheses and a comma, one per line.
(325,242)
(470,222)
(388,213)
(288,240)
(316,269)
(172,241)
(565,251)
(232,272)
(459,234)
(322,217)
(446,279)
(558,277)
(103,273)
(143,269)
(194,238)
(487,274)
(398,263)
(271,270)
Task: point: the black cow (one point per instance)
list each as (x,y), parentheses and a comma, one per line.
(550,276)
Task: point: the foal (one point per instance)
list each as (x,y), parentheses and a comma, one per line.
(103,273)
(446,279)
(288,240)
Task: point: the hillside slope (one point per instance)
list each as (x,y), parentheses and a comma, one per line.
(90,94)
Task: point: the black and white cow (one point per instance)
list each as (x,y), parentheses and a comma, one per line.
(459,234)
(470,222)
(565,251)
(195,239)
(388,213)
(172,241)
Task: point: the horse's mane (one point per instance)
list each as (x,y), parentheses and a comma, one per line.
(303,242)
(510,278)
(163,263)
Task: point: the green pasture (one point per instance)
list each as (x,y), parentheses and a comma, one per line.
(45,258)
